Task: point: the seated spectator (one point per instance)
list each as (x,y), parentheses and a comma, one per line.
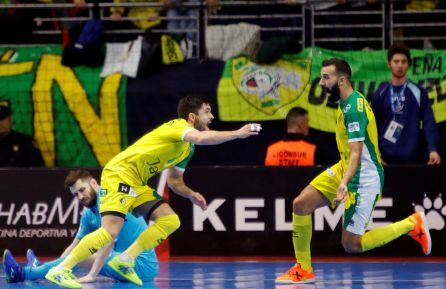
(294,149)
(400,106)
(421,5)
(176,10)
(149,16)
(16,149)
(79,9)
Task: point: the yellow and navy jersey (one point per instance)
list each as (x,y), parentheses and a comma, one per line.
(162,148)
(356,122)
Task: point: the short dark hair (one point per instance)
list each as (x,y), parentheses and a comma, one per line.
(341,66)
(398,48)
(75,175)
(295,112)
(190,103)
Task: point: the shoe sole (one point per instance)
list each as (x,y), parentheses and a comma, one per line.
(428,235)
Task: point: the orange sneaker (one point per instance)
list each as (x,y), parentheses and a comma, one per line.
(296,275)
(420,232)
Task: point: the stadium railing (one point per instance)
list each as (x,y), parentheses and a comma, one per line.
(354,25)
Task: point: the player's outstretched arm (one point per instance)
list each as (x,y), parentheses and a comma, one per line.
(99,261)
(175,181)
(212,137)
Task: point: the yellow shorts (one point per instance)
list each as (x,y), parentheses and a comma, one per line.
(118,196)
(356,217)
(328,181)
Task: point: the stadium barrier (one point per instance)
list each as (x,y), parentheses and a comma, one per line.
(323,23)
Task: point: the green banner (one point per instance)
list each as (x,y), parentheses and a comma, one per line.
(251,92)
(75,117)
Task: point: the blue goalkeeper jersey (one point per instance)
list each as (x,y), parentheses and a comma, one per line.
(131,229)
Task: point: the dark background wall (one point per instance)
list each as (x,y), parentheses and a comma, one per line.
(152,100)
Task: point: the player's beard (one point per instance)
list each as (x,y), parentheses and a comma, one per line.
(200,125)
(93,199)
(335,93)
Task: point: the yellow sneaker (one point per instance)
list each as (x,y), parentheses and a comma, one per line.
(125,269)
(296,275)
(420,232)
(62,277)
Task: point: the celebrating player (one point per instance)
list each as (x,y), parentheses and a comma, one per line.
(124,181)
(357,179)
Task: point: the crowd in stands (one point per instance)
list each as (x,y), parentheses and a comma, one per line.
(183,16)
(400,105)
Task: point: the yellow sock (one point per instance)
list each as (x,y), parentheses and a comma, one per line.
(154,235)
(302,231)
(383,235)
(89,245)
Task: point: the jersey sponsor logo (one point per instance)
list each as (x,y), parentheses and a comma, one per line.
(123,188)
(126,189)
(360,104)
(354,126)
(330,172)
(102,193)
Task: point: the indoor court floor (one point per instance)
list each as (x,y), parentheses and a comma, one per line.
(260,275)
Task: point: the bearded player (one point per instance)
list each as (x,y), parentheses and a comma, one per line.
(356,180)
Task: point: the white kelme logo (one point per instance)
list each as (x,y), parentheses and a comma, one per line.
(435,211)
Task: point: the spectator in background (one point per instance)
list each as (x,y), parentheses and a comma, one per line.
(16,149)
(149,16)
(175,9)
(295,149)
(399,106)
(68,28)
(421,5)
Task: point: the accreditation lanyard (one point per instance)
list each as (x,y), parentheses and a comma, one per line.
(396,98)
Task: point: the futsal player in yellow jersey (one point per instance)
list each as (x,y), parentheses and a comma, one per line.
(124,181)
(357,180)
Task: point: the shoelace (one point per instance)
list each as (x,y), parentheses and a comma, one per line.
(126,269)
(65,275)
(72,276)
(295,271)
